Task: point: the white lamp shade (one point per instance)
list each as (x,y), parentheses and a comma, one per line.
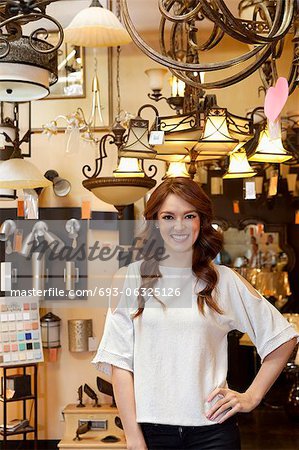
(270,150)
(96,27)
(128,167)
(22,82)
(156,78)
(177,169)
(18,173)
(239,166)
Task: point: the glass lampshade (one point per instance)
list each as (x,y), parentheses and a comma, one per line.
(17,173)
(128,167)
(270,150)
(156,78)
(96,27)
(216,140)
(137,145)
(177,87)
(177,169)
(239,166)
(119,191)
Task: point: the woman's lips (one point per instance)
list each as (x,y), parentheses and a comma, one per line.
(179,237)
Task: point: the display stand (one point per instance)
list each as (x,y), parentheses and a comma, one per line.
(33,397)
(103,420)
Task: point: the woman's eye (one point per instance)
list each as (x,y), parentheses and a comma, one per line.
(168,217)
(190,216)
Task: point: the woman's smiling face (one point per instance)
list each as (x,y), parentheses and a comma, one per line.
(179,224)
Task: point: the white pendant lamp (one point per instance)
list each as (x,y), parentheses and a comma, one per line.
(17,173)
(96,27)
(239,166)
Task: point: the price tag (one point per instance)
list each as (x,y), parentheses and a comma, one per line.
(20,210)
(297,217)
(249,190)
(156,138)
(85,210)
(236,207)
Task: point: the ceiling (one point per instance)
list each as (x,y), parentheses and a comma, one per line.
(145,13)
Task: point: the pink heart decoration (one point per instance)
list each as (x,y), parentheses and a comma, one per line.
(276,98)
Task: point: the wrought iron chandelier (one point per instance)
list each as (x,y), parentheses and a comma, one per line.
(262,24)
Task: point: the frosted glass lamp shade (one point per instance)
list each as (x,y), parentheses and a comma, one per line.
(96,27)
(17,173)
(239,166)
(128,167)
(270,150)
(177,169)
(119,191)
(156,78)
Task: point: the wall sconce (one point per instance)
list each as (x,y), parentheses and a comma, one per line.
(50,330)
(79,332)
(61,186)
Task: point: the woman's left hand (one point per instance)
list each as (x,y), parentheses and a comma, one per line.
(232,402)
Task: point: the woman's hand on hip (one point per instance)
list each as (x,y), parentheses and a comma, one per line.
(230,403)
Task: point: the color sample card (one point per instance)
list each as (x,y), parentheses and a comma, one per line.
(20,335)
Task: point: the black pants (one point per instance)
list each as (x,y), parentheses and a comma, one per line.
(222,436)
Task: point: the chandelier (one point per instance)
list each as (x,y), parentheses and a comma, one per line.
(262,24)
(28,64)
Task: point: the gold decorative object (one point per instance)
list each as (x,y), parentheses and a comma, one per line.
(79,330)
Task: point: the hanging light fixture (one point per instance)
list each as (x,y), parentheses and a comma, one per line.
(176,169)
(16,172)
(269,150)
(96,27)
(137,144)
(6,126)
(28,64)
(128,167)
(239,166)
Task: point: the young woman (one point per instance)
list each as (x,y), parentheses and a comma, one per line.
(166,331)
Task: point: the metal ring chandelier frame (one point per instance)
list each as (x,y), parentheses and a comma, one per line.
(266,35)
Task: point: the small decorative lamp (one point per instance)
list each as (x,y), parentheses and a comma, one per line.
(156,77)
(50,329)
(239,166)
(216,140)
(270,150)
(176,169)
(137,144)
(128,167)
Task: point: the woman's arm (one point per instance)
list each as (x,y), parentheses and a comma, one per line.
(236,402)
(123,387)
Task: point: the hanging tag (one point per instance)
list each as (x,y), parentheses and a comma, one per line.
(156,138)
(20,209)
(18,241)
(236,207)
(273,184)
(297,217)
(85,210)
(249,190)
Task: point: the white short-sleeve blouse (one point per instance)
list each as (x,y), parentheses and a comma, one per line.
(178,355)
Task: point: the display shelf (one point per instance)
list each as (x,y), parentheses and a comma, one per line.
(32,367)
(92,439)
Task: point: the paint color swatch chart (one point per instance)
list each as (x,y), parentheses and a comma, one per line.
(20,336)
